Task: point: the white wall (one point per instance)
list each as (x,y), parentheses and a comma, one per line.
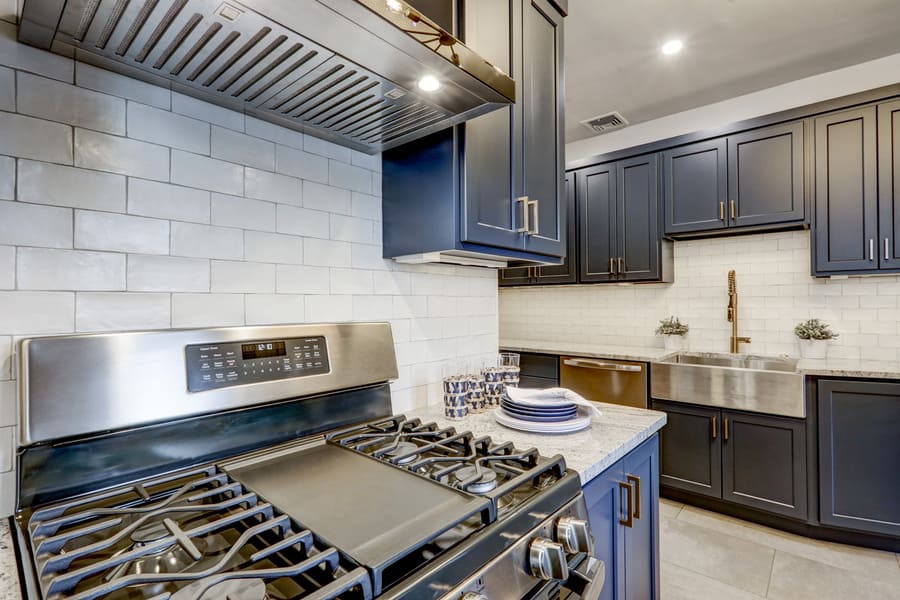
(775,291)
(124,206)
(834,84)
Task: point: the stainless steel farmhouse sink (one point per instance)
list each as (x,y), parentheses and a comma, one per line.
(763,384)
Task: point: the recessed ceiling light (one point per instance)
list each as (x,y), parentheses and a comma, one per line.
(429,83)
(672,47)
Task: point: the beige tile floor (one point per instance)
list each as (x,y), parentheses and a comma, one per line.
(706,555)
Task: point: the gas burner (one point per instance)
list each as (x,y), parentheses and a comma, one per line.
(468,479)
(236,589)
(405,449)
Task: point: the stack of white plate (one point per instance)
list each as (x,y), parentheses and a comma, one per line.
(543,415)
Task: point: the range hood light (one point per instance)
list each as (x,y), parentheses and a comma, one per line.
(394,5)
(429,83)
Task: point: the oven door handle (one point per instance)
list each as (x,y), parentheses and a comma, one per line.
(601,366)
(588,579)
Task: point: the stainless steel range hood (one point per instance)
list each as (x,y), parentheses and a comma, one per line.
(343,70)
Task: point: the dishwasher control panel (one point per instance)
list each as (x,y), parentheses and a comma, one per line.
(223,364)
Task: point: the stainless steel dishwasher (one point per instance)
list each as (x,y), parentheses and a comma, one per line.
(602,380)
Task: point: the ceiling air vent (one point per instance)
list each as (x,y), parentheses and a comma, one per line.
(607,122)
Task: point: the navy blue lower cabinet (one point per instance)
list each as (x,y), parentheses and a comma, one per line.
(859,455)
(623,504)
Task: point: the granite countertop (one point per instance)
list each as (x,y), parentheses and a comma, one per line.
(829,367)
(611,436)
(9,577)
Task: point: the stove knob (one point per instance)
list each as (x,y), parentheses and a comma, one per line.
(473,596)
(574,535)
(547,560)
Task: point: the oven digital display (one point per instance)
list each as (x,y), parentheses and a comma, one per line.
(262,350)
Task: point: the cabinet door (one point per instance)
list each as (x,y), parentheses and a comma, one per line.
(566,272)
(846,194)
(691,449)
(490,214)
(596,189)
(764,463)
(642,538)
(695,187)
(859,455)
(516,276)
(765,176)
(603,495)
(540,98)
(637,227)
(889,186)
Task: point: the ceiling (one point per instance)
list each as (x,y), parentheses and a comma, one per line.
(731,47)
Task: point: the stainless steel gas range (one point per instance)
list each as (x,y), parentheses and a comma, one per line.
(264,463)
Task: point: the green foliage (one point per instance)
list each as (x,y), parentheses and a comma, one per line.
(671,326)
(814,329)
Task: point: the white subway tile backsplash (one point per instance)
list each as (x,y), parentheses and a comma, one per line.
(7,448)
(351,281)
(8,404)
(290,161)
(33,313)
(326,309)
(352,178)
(207,310)
(272,248)
(7,89)
(46,183)
(101,80)
(366,206)
(326,253)
(211,174)
(323,197)
(46,269)
(371,162)
(104,152)
(66,103)
(7,178)
(167,274)
(166,201)
(204,241)
(372,308)
(24,224)
(243,149)
(296,279)
(204,111)
(325,148)
(7,274)
(267,309)
(369,256)
(393,283)
(121,312)
(351,229)
(273,187)
(27,137)
(303,222)
(234,211)
(274,133)
(167,129)
(242,277)
(120,233)
(6,357)
(28,58)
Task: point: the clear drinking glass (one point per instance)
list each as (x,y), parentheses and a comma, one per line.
(508,362)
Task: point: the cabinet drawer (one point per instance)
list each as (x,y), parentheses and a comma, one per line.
(539,365)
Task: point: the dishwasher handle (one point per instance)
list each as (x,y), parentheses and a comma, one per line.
(601,366)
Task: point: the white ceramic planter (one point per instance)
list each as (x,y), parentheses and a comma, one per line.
(674,343)
(813,348)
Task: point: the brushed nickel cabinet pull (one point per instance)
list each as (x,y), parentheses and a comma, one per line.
(715,427)
(628,521)
(721,211)
(871,248)
(733,210)
(612,265)
(887,249)
(636,481)
(526,221)
(533,206)
(621,266)
(725,429)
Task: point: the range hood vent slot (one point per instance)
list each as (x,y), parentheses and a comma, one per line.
(287,61)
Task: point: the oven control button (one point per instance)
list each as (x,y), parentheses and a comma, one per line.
(574,535)
(547,560)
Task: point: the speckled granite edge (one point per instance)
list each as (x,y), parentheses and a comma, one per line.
(590,452)
(9,573)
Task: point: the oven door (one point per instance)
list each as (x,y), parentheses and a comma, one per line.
(587,575)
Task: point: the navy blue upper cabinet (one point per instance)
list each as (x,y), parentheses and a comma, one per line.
(889,185)
(596,193)
(859,455)
(493,185)
(750,179)
(846,224)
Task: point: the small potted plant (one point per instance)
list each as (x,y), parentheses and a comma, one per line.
(814,335)
(674,331)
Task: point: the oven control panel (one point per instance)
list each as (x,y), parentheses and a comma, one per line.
(217,365)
